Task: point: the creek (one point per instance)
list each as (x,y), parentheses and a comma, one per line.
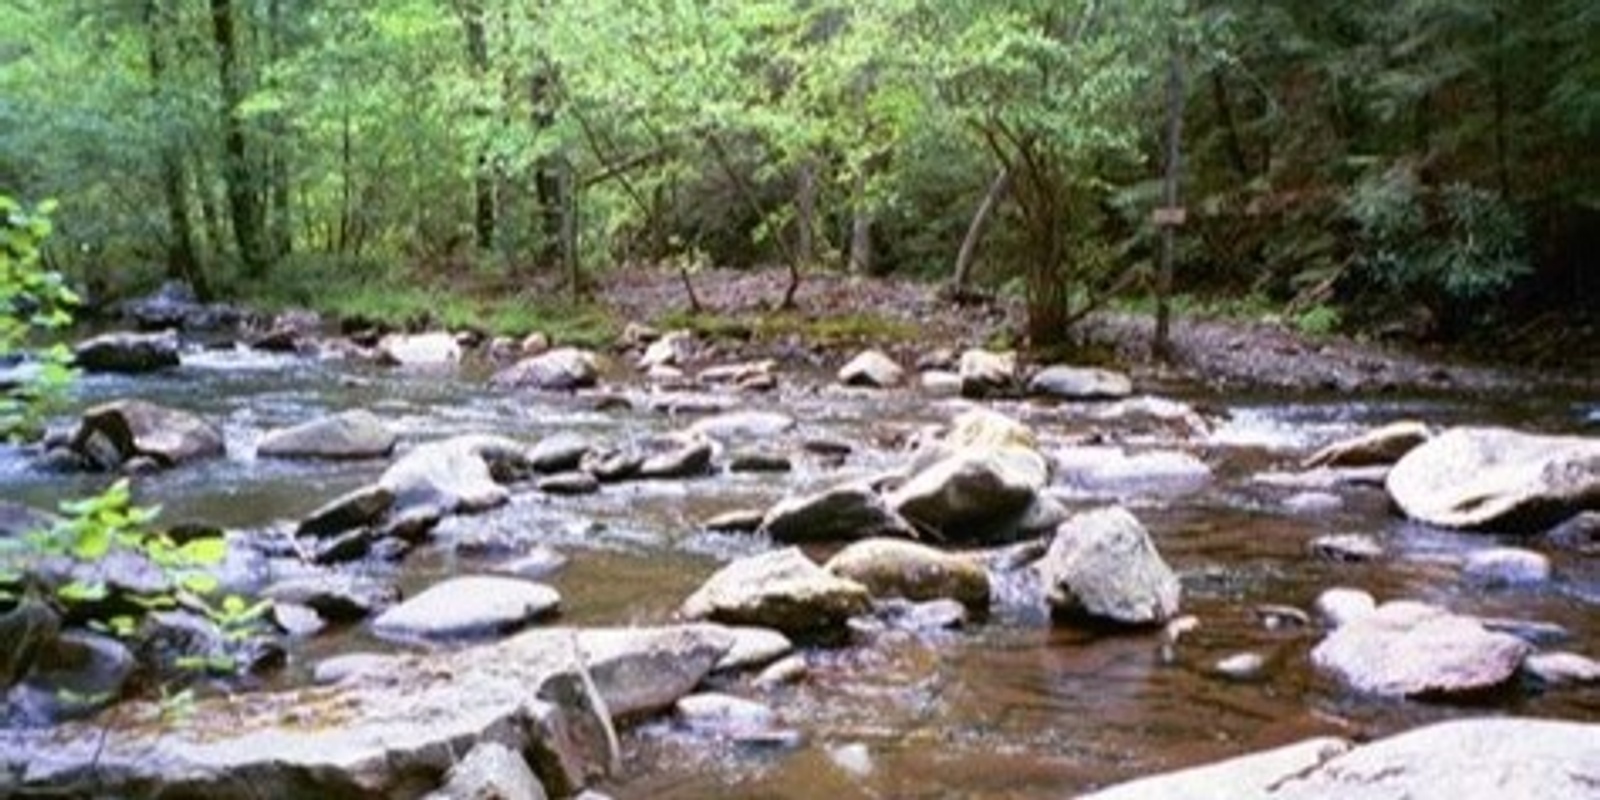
(1008,706)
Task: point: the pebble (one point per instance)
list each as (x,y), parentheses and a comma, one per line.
(1242,666)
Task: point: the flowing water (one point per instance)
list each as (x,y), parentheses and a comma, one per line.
(1009,706)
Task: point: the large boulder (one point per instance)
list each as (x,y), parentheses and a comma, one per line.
(972,496)
(1469,759)
(458,475)
(781,589)
(873,369)
(79,672)
(111,434)
(549,695)
(561,369)
(420,351)
(1103,566)
(1497,479)
(841,513)
(127,352)
(1080,383)
(1384,445)
(347,435)
(1406,648)
(470,606)
(898,568)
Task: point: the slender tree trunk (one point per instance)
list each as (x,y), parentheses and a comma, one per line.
(548,183)
(975,229)
(805,205)
(483,178)
(244,204)
(183,262)
(210,215)
(1161,347)
(281,230)
(720,153)
(860,258)
(346,182)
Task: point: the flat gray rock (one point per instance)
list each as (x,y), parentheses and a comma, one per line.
(1407,648)
(1497,479)
(477,605)
(352,434)
(782,590)
(1080,383)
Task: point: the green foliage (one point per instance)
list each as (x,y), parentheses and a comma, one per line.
(32,301)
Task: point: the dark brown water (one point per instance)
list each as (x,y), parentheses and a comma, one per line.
(1010,707)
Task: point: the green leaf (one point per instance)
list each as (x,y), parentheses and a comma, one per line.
(199,583)
(204,551)
(83,592)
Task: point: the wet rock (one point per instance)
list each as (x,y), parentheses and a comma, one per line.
(1102,565)
(1276,617)
(1080,383)
(899,614)
(1470,759)
(420,351)
(673,349)
(1340,606)
(725,714)
(1110,472)
(782,590)
(752,647)
(1313,503)
(939,383)
(985,374)
(351,666)
(335,596)
(384,735)
(1495,478)
(1580,534)
(112,433)
(537,562)
(1560,669)
(357,508)
(1242,666)
(1384,445)
(612,466)
(872,369)
(562,369)
(842,513)
(127,352)
(686,459)
(296,620)
(758,461)
(561,452)
(457,475)
(534,343)
(792,669)
(736,521)
(898,568)
(1533,631)
(736,426)
(490,771)
(471,606)
(1349,548)
(177,643)
(1505,566)
(1325,479)
(742,374)
(348,435)
(1407,648)
(569,483)
(79,672)
(974,496)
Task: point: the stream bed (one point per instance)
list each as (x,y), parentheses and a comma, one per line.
(1009,706)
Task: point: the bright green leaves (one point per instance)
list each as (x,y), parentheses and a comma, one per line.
(33,300)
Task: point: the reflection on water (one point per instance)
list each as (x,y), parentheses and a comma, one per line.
(1006,708)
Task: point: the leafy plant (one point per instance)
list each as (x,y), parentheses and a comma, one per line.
(32,301)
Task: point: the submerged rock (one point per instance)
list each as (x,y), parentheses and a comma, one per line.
(1471,759)
(897,568)
(1111,472)
(1407,648)
(1497,479)
(110,434)
(1103,566)
(468,606)
(347,435)
(782,590)
(127,352)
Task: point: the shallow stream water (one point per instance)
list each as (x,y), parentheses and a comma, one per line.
(1008,707)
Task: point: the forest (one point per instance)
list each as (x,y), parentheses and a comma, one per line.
(1339,166)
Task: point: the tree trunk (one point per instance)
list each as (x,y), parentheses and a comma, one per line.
(547,179)
(281,230)
(1161,347)
(483,178)
(244,202)
(860,259)
(183,262)
(805,205)
(975,229)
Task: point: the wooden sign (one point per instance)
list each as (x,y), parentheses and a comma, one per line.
(1169,217)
